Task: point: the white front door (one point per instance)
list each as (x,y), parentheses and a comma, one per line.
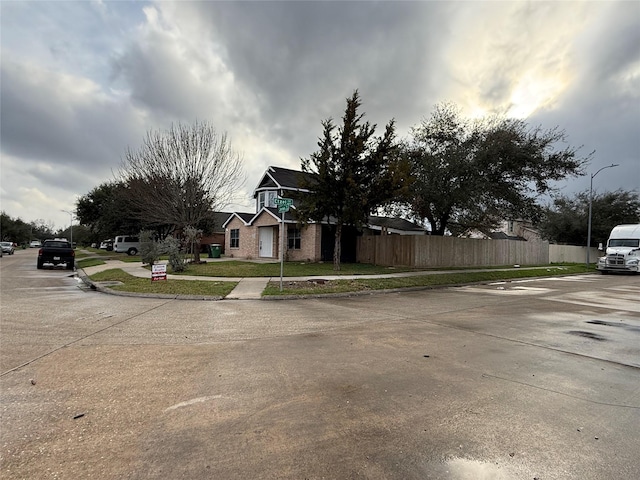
(266,242)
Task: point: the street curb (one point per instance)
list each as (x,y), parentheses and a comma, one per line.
(102,289)
(107,290)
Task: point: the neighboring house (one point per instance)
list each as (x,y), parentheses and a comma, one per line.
(521,230)
(258,235)
(517,229)
(217,236)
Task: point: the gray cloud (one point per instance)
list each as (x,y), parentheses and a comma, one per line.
(82,81)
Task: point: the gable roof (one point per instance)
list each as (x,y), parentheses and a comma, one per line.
(395,224)
(219,220)
(282,178)
(243,217)
(504,236)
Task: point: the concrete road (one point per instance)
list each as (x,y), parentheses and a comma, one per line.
(522,380)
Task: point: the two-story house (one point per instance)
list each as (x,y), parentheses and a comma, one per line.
(259,235)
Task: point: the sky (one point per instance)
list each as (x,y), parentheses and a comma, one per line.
(83,81)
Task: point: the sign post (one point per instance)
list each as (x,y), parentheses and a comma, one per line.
(283,206)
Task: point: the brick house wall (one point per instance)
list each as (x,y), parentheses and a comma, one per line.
(248,241)
(310,238)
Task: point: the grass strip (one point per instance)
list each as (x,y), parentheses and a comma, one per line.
(430,280)
(168,287)
(89,262)
(238,268)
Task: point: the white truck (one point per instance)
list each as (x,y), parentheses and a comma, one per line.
(623,250)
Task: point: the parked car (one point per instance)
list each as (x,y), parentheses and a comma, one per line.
(106,245)
(7,247)
(56,252)
(35,244)
(128,244)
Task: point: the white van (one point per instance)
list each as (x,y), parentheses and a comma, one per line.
(623,250)
(128,244)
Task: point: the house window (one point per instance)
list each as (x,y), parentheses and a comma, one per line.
(261,196)
(234,239)
(293,238)
(272,196)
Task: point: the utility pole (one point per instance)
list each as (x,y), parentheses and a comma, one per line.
(70,225)
(590,202)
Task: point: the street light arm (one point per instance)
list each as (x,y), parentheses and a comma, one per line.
(608,166)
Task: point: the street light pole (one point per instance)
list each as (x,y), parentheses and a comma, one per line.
(70,225)
(590,202)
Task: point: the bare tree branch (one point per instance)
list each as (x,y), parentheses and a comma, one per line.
(182,175)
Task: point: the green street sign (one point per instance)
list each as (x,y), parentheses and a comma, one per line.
(283,204)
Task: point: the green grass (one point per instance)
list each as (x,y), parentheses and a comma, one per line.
(238,268)
(169,287)
(89,262)
(426,281)
(96,251)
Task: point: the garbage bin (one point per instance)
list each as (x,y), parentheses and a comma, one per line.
(215,249)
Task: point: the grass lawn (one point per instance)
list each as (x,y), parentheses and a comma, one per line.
(89,262)
(169,287)
(435,280)
(92,252)
(239,268)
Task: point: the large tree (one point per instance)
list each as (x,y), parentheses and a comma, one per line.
(352,174)
(566,219)
(21,232)
(107,211)
(471,174)
(182,175)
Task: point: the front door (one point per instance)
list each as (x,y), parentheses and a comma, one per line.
(266,242)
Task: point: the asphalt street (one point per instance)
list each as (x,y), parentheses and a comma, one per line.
(535,379)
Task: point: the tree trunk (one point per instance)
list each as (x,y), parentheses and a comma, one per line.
(336,248)
(196,252)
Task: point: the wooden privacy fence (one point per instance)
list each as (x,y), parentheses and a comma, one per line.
(433,251)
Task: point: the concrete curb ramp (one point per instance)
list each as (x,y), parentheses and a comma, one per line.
(249,289)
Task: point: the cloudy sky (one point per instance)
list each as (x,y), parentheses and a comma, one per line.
(82,81)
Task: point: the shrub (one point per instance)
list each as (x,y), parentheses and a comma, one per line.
(176,257)
(149,248)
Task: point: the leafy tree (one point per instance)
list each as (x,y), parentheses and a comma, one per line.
(472,174)
(18,231)
(107,212)
(14,229)
(81,234)
(352,174)
(180,176)
(566,220)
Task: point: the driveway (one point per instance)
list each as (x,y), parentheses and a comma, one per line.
(521,380)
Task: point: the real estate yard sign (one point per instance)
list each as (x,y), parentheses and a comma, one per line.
(158,272)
